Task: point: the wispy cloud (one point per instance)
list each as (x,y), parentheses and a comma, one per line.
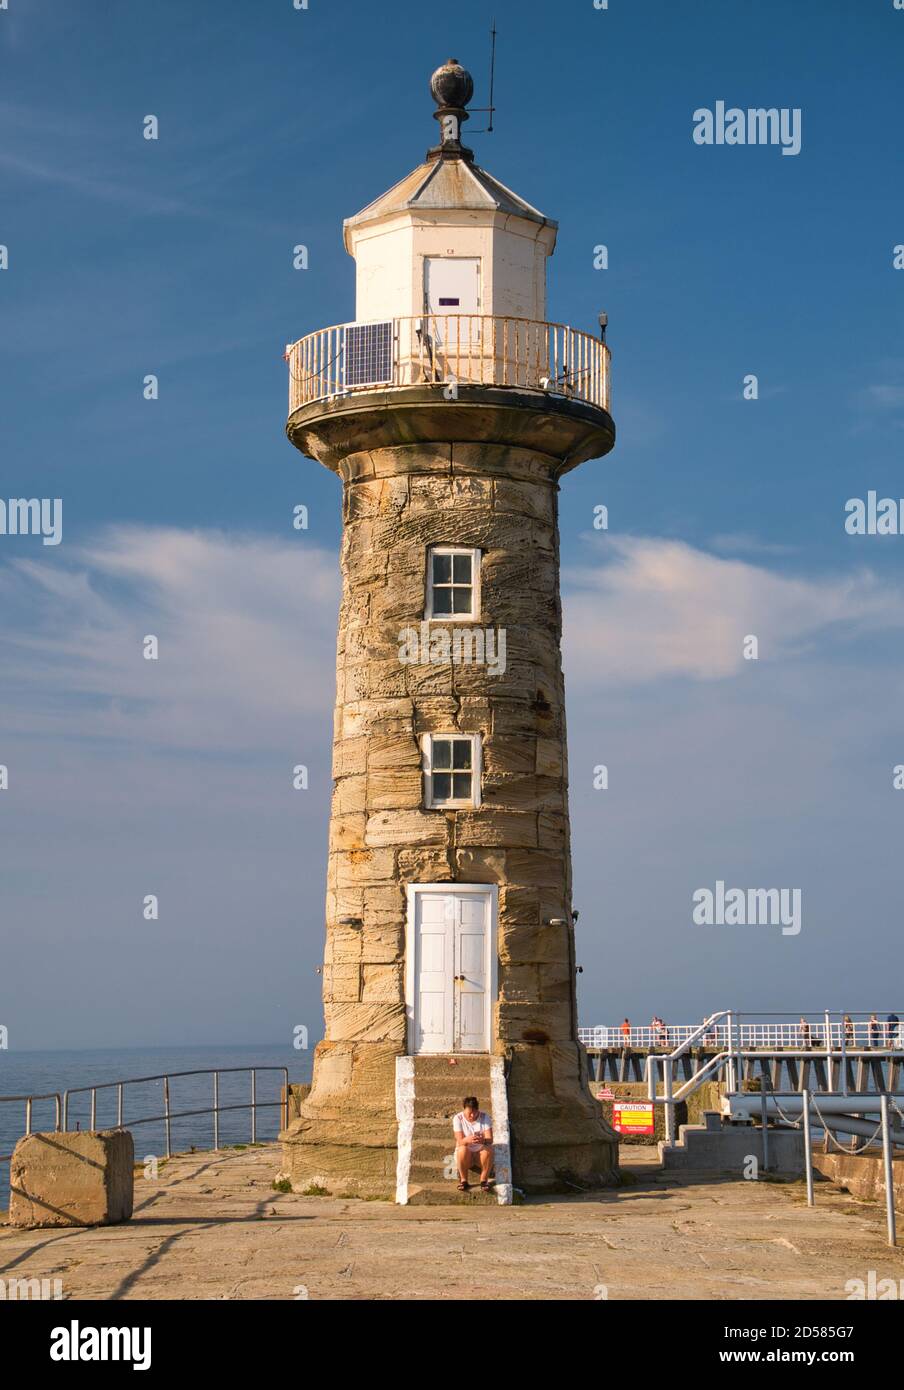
(882,399)
(740,543)
(119,167)
(884,396)
(246,632)
(139,199)
(654,609)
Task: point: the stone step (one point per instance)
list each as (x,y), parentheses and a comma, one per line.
(434,1108)
(433,1169)
(428,1169)
(454,1074)
(441,1105)
(443,1194)
(433,1127)
(454,1087)
(455,1083)
(435,1153)
(433,1132)
(464,1064)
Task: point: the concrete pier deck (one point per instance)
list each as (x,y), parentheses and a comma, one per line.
(211,1227)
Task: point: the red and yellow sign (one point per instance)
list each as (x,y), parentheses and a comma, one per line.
(632,1117)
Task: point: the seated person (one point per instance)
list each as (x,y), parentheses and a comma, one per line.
(473,1130)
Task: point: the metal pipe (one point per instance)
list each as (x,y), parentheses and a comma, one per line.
(729,1077)
(743,1107)
(669,1103)
(808,1147)
(253,1107)
(840,1122)
(216,1110)
(119,1106)
(889,1172)
(166,1117)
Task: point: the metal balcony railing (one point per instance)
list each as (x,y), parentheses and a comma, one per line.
(447,350)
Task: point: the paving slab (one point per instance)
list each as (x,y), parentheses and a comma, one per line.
(211,1227)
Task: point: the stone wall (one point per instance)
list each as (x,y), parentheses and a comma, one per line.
(397,502)
(863,1174)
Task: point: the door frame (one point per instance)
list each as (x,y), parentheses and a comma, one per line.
(446,890)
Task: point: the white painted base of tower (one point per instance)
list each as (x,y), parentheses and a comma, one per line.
(501,1137)
(404,1095)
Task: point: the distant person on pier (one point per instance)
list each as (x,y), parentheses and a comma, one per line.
(872,1031)
(473,1130)
(848,1031)
(803,1029)
(893,1030)
(626,1034)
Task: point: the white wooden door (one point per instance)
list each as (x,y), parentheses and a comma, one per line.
(434,944)
(451,940)
(470,997)
(452,287)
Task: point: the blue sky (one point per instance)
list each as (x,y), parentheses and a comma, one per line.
(174,257)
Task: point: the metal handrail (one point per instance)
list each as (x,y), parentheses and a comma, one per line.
(46,1095)
(441,349)
(737,1042)
(61,1099)
(169,1114)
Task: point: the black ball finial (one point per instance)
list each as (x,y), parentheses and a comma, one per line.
(452,85)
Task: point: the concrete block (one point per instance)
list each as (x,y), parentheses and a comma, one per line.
(78,1179)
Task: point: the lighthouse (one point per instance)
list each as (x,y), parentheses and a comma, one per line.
(450,409)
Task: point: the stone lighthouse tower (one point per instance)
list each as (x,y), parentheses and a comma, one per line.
(450,409)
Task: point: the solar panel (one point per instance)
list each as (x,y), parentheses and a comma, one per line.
(368,353)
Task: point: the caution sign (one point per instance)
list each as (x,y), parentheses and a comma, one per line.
(632,1117)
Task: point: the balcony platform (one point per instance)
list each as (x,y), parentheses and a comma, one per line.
(565,429)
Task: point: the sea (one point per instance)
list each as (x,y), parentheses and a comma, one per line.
(33,1073)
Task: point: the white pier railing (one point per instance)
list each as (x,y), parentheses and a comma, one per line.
(858,1032)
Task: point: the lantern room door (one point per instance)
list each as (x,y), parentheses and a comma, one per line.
(452,289)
